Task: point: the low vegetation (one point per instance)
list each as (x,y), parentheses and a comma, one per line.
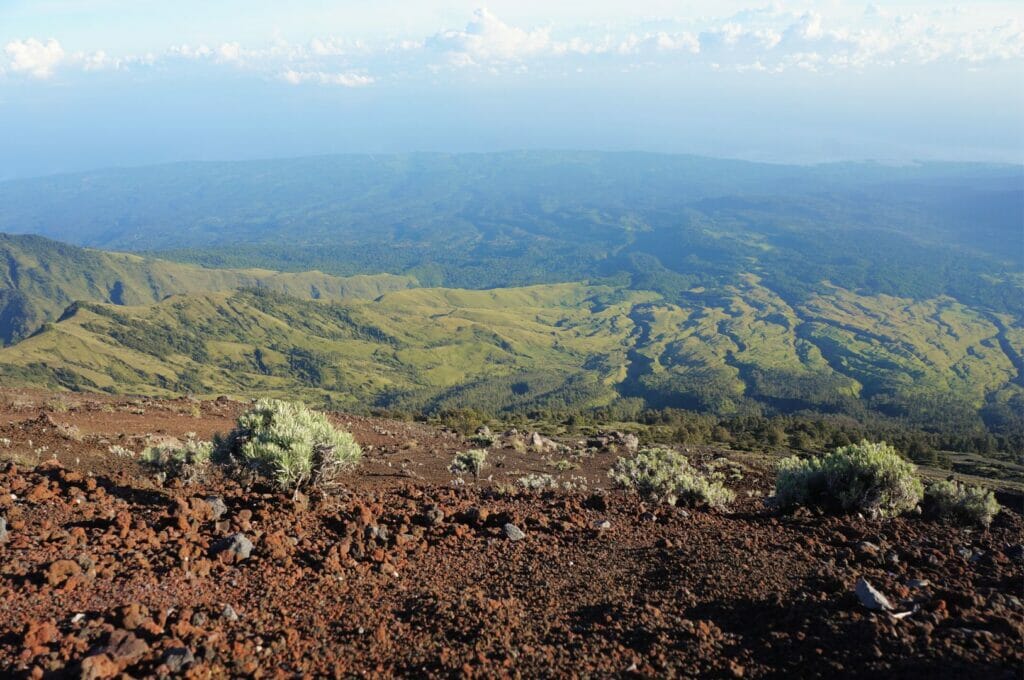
(953,501)
(472,462)
(483,439)
(867,477)
(537,482)
(187,462)
(666,475)
(290,444)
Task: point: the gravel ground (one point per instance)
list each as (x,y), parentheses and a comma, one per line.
(104,572)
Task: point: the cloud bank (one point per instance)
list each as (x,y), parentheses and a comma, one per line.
(768,40)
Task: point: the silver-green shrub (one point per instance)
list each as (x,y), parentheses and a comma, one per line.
(538,482)
(867,477)
(187,462)
(291,445)
(483,439)
(472,461)
(667,477)
(951,501)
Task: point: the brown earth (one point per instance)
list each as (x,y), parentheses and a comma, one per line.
(106,572)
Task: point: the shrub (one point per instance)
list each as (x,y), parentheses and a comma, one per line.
(122,452)
(472,461)
(188,463)
(667,476)
(483,439)
(866,477)
(952,501)
(538,482)
(290,444)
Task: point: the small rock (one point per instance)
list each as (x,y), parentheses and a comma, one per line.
(97,667)
(602,525)
(1015,552)
(125,647)
(229,613)
(4,537)
(513,533)
(477,515)
(178,658)
(61,570)
(870,597)
(434,515)
(868,548)
(217,506)
(236,546)
(918,583)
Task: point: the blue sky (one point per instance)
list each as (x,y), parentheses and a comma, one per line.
(110,82)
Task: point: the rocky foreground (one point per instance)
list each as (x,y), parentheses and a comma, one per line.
(104,572)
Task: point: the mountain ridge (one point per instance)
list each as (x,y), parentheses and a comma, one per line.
(39,278)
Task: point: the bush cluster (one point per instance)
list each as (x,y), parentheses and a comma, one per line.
(667,476)
(188,462)
(290,444)
(866,477)
(472,461)
(952,501)
(538,482)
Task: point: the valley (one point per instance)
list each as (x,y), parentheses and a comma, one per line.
(562,284)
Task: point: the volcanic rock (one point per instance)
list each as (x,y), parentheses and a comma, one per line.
(513,532)
(870,597)
(234,548)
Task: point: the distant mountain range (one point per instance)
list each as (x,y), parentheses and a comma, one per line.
(510,282)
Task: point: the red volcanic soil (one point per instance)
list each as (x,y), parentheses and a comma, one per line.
(104,572)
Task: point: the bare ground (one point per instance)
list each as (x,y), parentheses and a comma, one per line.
(106,572)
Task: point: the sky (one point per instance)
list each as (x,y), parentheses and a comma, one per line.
(99,83)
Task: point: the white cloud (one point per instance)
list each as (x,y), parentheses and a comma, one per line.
(758,40)
(96,61)
(486,38)
(34,58)
(190,52)
(229,53)
(322,78)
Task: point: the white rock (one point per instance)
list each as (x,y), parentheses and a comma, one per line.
(872,598)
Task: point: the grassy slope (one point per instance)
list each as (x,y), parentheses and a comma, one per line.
(541,345)
(39,278)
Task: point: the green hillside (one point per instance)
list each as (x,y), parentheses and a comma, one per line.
(566,346)
(559,282)
(39,278)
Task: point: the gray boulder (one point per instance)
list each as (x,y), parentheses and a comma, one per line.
(237,546)
(870,597)
(514,533)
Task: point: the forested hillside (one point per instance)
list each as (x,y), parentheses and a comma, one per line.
(557,282)
(563,348)
(39,278)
